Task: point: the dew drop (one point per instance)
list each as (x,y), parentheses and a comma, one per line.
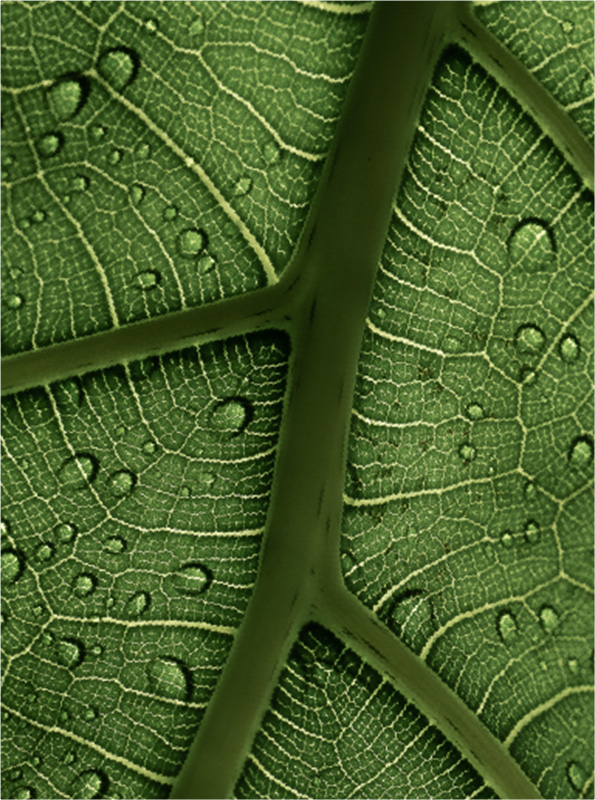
(170,213)
(70,652)
(96,650)
(271,153)
(15,301)
(139,370)
(506,539)
(567,25)
(80,183)
(242,186)
(467,452)
(39,610)
(24,793)
(64,716)
(580,454)
(90,783)
(548,617)
(532,532)
(576,775)
(114,545)
(529,339)
(70,758)
(474,411)
(65,532)
(138,604)
(192,579)
(184,492)
(569,348)
(50,144)
(191,242)
(531,246)
(169,677)
(98,132)
(151,26)
(149,279)
(90,714)
(137,193)
(197,27)
(232,415)
(122,483)
(142,150)
(573,665)
(507,627)
(38,216)
(68,95)
(12,565)
(205,264)
(44,552)
(36,761)
(78,471)
(119,67)
(84,584)
(149,448)
(115,156)
(205,480)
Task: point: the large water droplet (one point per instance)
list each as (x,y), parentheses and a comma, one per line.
(68,95)
(532,531)
(169,677)
(232,415)
(507,627)
(531,246)
(580,454)
(467,452)
(122,483)
(84,584)
(548,617)
(90,783)
(12,565)
(70,652)
(529,339)
(149,279)
(138,604)
(14,301)
(191,242)
(114,545)
(576,775)
(78,471)
(65,532)
(569,348)
(119,67)
(50,144)
(192,579)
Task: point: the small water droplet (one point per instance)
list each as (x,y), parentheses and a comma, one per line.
(170,213)
(467,452)
(573,665)
(38,216)
(184,492)
(119,431)
(149,448)
(84,584)
(191,242)
(36,761)
(122,483)
(567,25)
(12,565)
(115,156)
(15,301)
(98,132)
(529,339)
(205,264)
(149,279)
(531,246)
(119,67)
(47,638)
(232,416)
(78,471)
(197,27)
(65,532)
(569,348)
(151,26)
(580,454)
(114,545)
(527,376)
(80,183)
(271,153)
(170,677)
(506,539)
(70,652)
(50,144)
(205,480)
(242,186)
(138,604)
(532,531)
(137,192)
(39,610)
(96,650)
(44,552)
(64,716)
(90,714)
(68,95)
(192,579)
(474,411)
(24,793)
(576,775)
(4,528)
(90,783)
(507,627)
(70,758)
(548,618)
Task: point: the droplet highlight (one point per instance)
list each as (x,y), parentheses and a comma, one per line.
(149,279)
(467,452)
(114,545)
(15,301)
(577,776)
(506,539)
(12,565)
(532,533)
(474,411)
(65,532)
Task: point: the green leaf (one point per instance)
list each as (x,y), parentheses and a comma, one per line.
(297,427)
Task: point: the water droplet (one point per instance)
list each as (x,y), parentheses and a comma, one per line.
(80,183)
(149,279)
(205,264)
(149,448)
(65,532)
(115,156)
(467,452)
(70,758)
(573,665)
(90,783)
(569,348)
(205,480)
(138,604)
(64,716)
(69,395)
(532,532)
(197,27)
(44,552)
(114,545)
(23,793)
(84,584)
(70,652)
(567,25)
(548,618)
(232,415)
(170,677)
(531,246)
(191,242)
(15,301)
(50,144)
(271,153)
(507,628)
(89,714)
(527,376)
(576,775)
(142,150)
(119,431)
(122,483)
(38,216)
(184,492)
(506,539)
(170,213)
(98,132)
(242,186)
(151,26)
(36,761)
(529,339)
(78,471)
(39,610)
(96,650)
(47,638)
(192,579)
(119,67)
(12,565)
(68,95)
(580,454)
(137,192)
(474,411)
(4,528)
